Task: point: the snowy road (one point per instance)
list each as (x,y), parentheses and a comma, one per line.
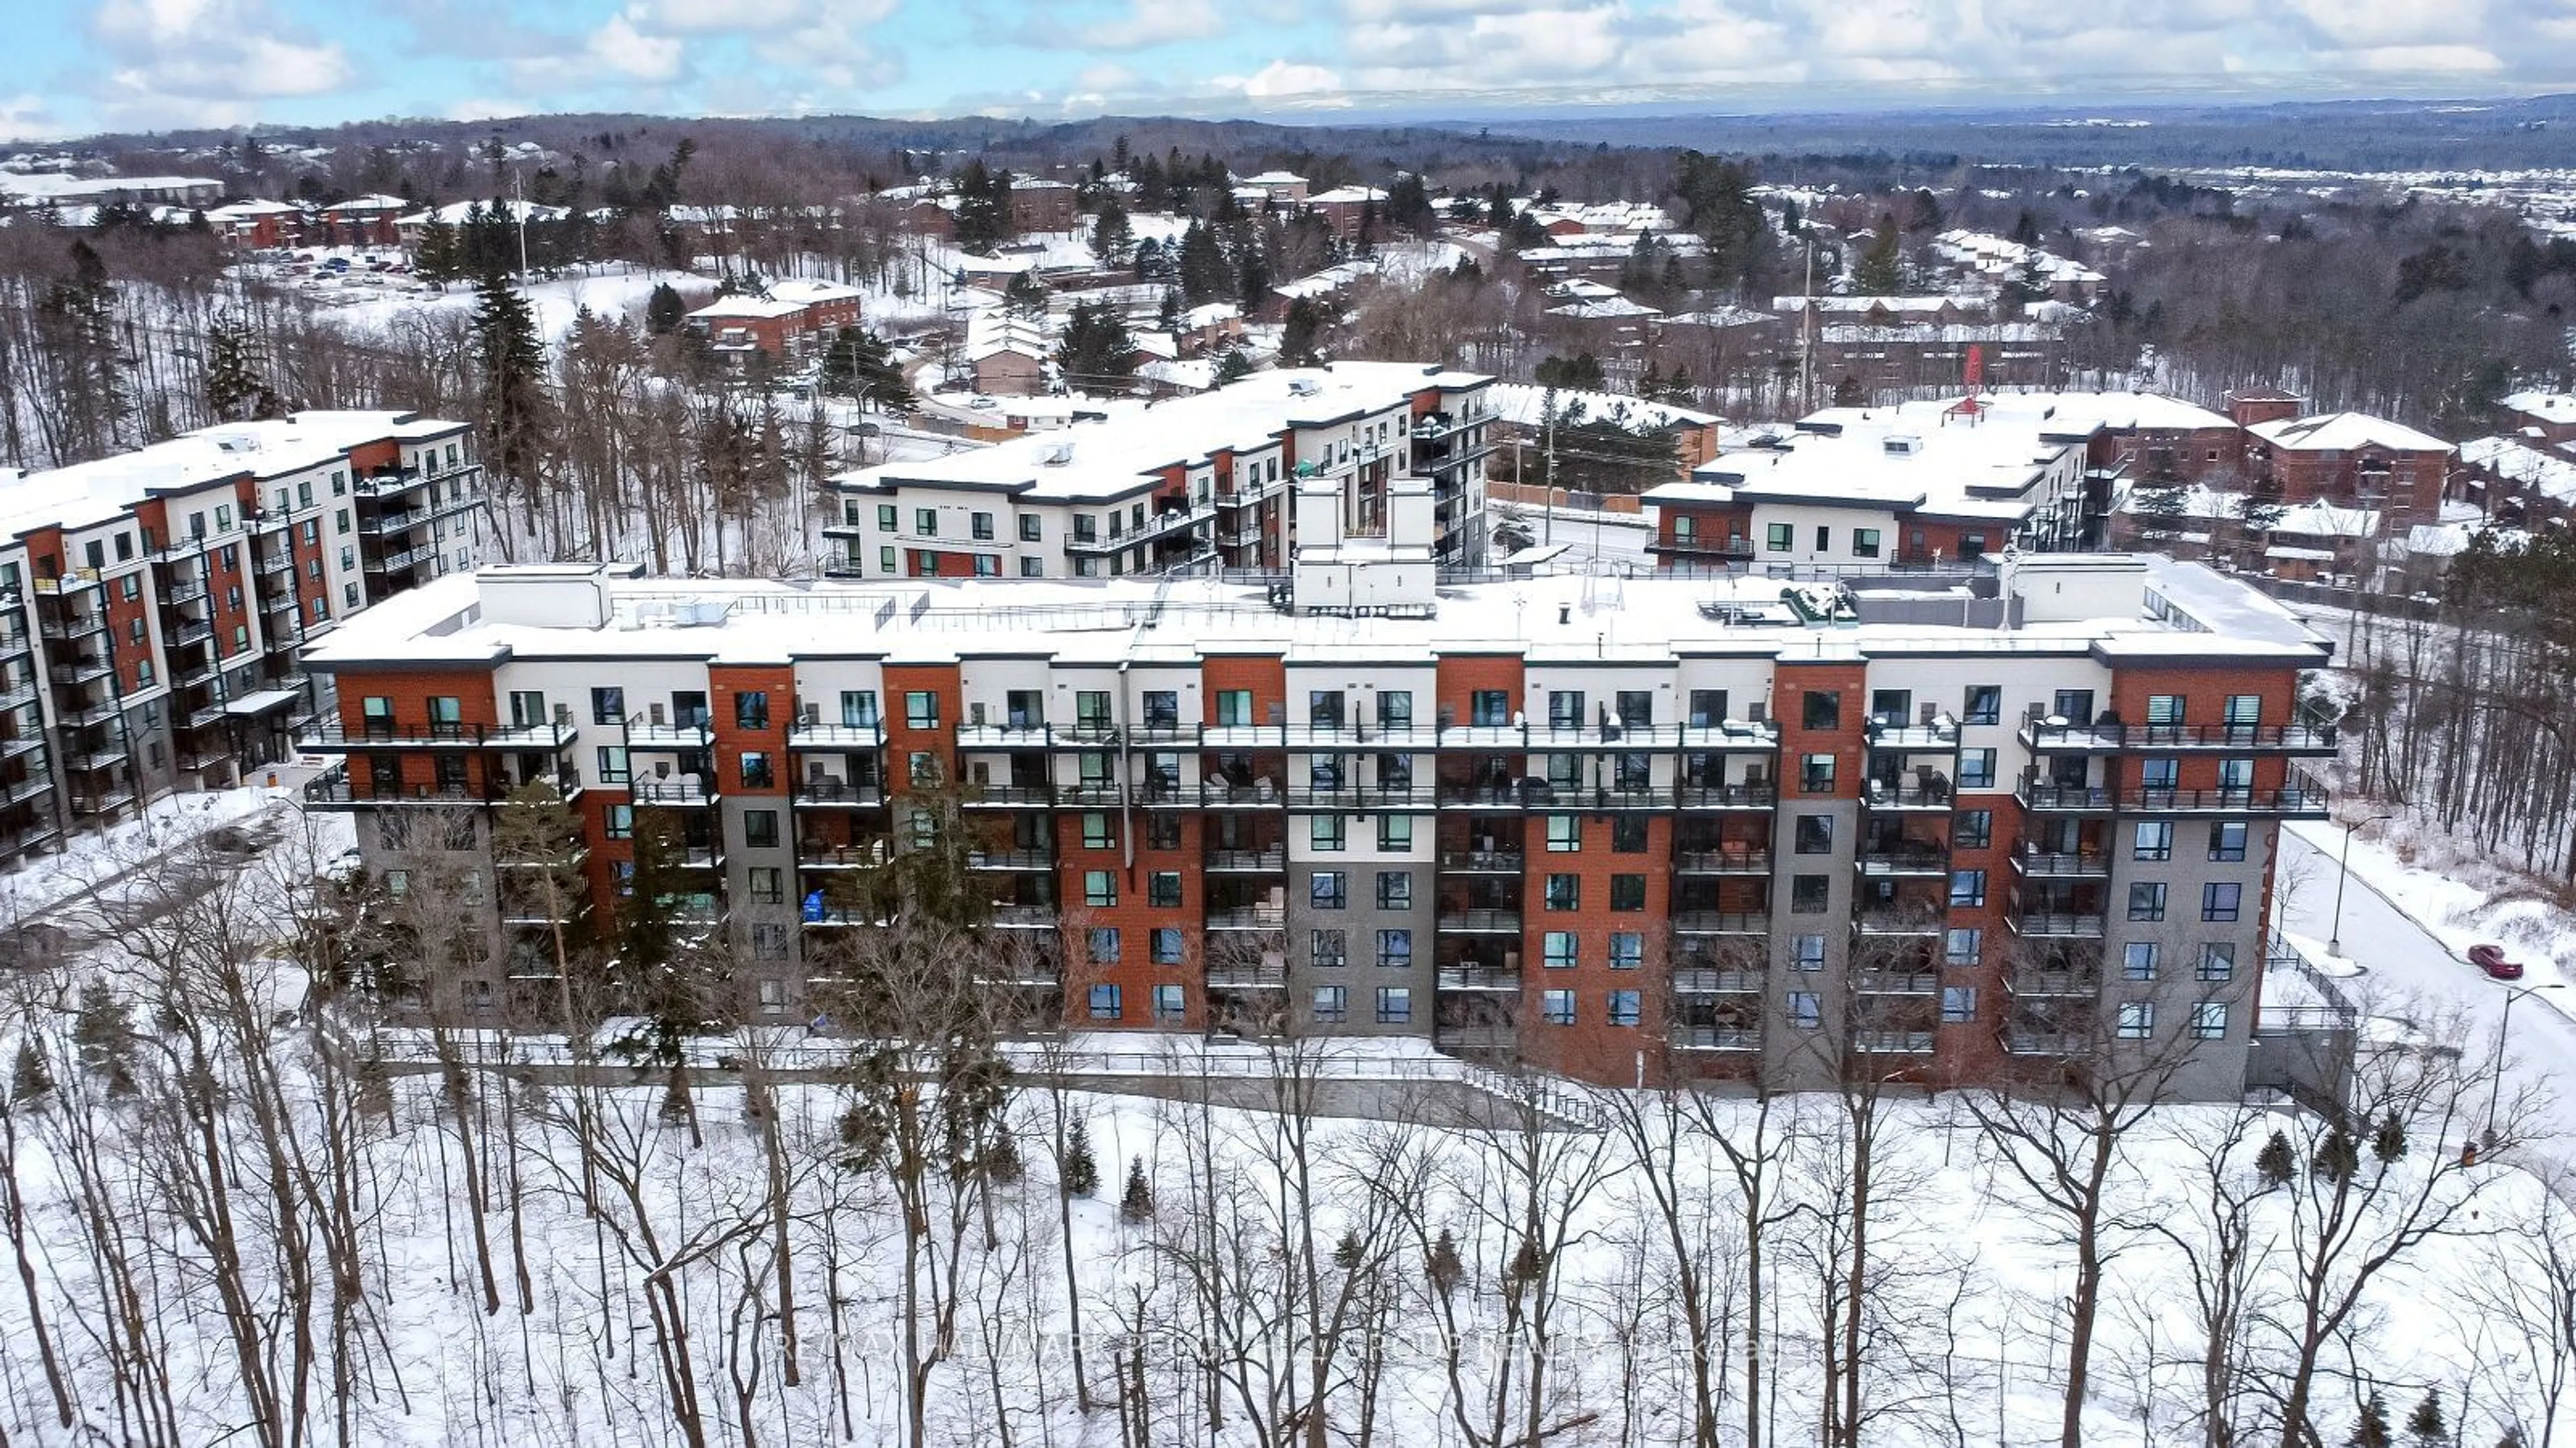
(2403,960)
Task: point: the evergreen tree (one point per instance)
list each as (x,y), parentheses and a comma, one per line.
(663,311)
(1442,1268)
(103,1037)
(1137,1205)
(512,392)
(983,219)
(1303,330)
(1167,313)
(1096,351)
(2425,1427)
(1081,1172)
(1113,239)
(1024,296)
(1579,373)
(234,389)
(438,258)
(861,364)
(2274,1163)
(29,1079)
(2371,1431)
(1408,206)
(2160,505)
(1153,263)
(1232,367)
(1882,268)
(2388,1144)
(1204,275)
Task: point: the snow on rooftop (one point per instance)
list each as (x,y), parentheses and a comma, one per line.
(1518,402)
(2547,406)
(2345,432)
(88,493)
(2549,473)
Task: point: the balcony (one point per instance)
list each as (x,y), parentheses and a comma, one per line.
(80,671)
(1248,917)
(1707,980)
(1882,797)
(1729,796)
(68,584)
(1509,796)
(2037,982)
(2047,736)
(675,790)
(1722,922)
(1508,738)
(2021,1042)
(2056,924)
(73,623)
(15,641)
(1010,860)
(813,855)
(1938,737)
(1904,861)
(1480,978)
(1247,977)
(643,732)
(2043,798)
(1030,735)
(1024,917)
(1741,735)
(1475,1038)
(1224,794)
(2302,798)
(334,737)
(1364,798)
(1095,794)
(1892,1043)
(1896,982)
(1603,738)
(1329,736)
(1480,922)
(1747,860)
(1248,862)
(273,565)
(1009,796)
(13,745)
(2059,865)
(23,790)
(1714,1038)
(1481,862)
(189,591)
(1921,920)
(333,790)
(108,801)
(397,562)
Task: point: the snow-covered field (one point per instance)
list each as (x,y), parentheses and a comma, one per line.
(611,289)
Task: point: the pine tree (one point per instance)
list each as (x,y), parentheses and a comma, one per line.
(1081,1172)
(29,1079)
(2372,1429)
(860,364)
(233,385)
(1882,268)
(512,394)
(664,310)
(1232,367)
(1024,296)
(2387,1144)
(1113,238)
(2424,1426)
(1442,1268)
(2338,1157)
(1138,1203)
(2274,1163)
(2160,505)
(438,257)
(1304,330)
(1096,351)
(1347,1253)
(101,1033)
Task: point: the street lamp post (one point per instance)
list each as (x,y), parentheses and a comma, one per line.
(2495,1086)
(2343,873)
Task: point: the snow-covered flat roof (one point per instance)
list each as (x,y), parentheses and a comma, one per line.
(1525,405)
(2178,611)
(2548,406)
(2345,432)
(85,494)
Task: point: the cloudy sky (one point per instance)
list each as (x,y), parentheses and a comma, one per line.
(81,65)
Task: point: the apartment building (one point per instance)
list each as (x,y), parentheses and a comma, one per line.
(1655,828)
(1194,482)
(795,319)
(155,607)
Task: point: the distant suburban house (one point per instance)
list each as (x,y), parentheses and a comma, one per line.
(1007,352)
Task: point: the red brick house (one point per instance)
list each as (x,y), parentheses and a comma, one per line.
(2353,459)
(794,321)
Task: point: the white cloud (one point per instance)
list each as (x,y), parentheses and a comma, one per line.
(1283,80)
(630,51)
(206,61)
(1153,22)
(28,118)
(723,16)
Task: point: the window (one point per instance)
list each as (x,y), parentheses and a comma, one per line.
(2209,1021)
(2154,840)
(1328,949)
(1033,568)
(1104,944)
(1815,834)
(1779,538)
(1162,831)
(1958,1005)
(608,706)
(1962,945)
(755,771)
(1565,708)
(1985,705)
(2236,774)
(1031,529)
(2137,1020)
(1170,1004)
(1394,1005)
(1556,1007)
(2147,900)
(1395,708)
(1332,1003)
(2217,961)
(2158,773)
(885,560)
(2138,960)
(1627,835)
(1564,892)
(925,521)
(1328,833)
(2221,901)
(1627,1007)
(1489,708)
(1816,774)
(1324,708)
(920,709)
(621,822)
(760,828)
(1806,1010)
(1972,829)
(1806,952)
(613,767)
(1627,950)
(1395,949)
(1864,542)
(1976,769)
(1165,940)
(1096,833)
(886,517)
(1395,889)
(1099,889)
(1824,538)
(769,942)
(1627,893)
(1163,889)
(1967,889)
(2227,840)
(1326,890)
(1104,998)
(1823,709)
(1394,832)
(768,885)
(980,526)
(1558,949)
(2164,711)
(1564,834)
(1808,894)
(2244,711)
(1234,708)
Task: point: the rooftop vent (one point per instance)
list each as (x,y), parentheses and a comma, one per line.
(1303,387)
(1060,454)
(1902,445)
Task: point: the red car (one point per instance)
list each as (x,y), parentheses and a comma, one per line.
(2491,959)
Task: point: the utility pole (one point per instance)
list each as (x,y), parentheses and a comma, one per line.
(1807,337)
(519,192)
(1547,496)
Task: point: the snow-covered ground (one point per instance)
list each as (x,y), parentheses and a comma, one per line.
(91,857)
(612,289)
